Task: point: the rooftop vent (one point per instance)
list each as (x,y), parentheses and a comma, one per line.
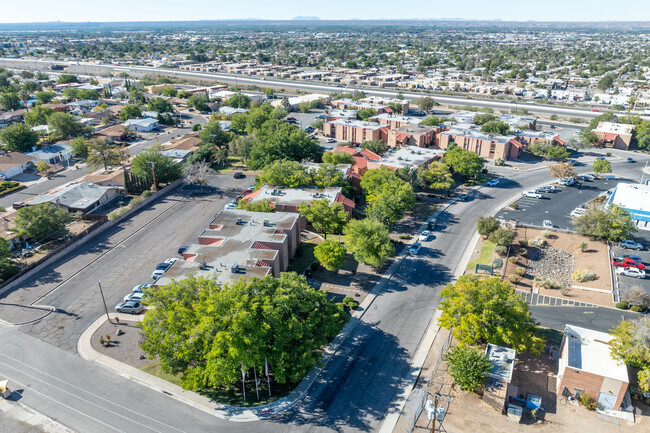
(234,268)
(266,222)
(239,221)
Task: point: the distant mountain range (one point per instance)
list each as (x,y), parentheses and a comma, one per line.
(301,18)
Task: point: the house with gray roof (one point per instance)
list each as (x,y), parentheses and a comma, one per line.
(80,197)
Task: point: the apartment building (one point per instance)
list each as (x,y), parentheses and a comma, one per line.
(614,135)
(411,157)
(379,100)
(361,158)
(487,146)
(413,135)
(355,131)
(288,199)
(237,244)
(341,114)
(395,121)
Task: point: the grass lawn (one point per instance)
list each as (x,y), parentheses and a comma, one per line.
(234,164)
(301,262)
(154,369)
(485,258)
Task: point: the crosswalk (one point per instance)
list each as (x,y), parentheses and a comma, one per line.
(535,299)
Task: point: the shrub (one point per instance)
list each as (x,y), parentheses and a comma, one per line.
(42,166)
(547,283)
(514,206)
(513,259)
(583,275)
(538,242)
(117,213)
(501,250)
(468,366)
(583,246)
(587,401)
(609,154)
(637,308)
(514,278)
(502,236)
(101,340)
(405,236)
(546,234)
(146,194)
(2,209)
(350,302)
(623,305)
(523,242)
(500,162)
(521,271)
(522,252)
(565,290)
(136,201)
(497,263)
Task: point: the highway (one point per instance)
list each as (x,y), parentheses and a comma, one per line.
(94,69)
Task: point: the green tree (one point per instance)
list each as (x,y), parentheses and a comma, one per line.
(631,345)
(88,94)
(325,218)
(67,79)
(10,101)
(304,107)
(487,225)
(366,113)
(426,103)
(463,161)
(557,152)
(482,119)
(241,147)
(256,206)
(239,100)
(369,241)
(375,146)
(612,223)
(160,105)
(199,101)
(432,121)
(396,107)
(38,221)
(137,97)
(102,154)
(605,117)
(601,166)
(45,97)
(483,310)
(280,140)
(606,82)
(80,147)
(495,127)
(388,196)
(213,134)
(130,111)
(164,167)
(18,137)
(205,333)
(338,158)
(184,94)
(65,126)
(468,366)
(502,236)
(38,116)
(436,176)
(71,93)
(330,254)
(284,174)
(169,91)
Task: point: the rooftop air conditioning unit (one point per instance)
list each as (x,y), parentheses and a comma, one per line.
(234,268)
(239,221)
(266,222)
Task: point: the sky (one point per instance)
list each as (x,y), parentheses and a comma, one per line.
(174,10)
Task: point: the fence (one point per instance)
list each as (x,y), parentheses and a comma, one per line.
(538,227)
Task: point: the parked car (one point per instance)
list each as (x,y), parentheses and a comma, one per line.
(463,197)
(493,182)
(424,236)
(140,288)
(432,224)
(238,175)
(171,261)
(532,194)
(629,244)
(577,212)
(547,224)
(567,181)
(630,272)
(630,160)
(546,189)
(627,263)
(157,274)
(182,249)
(633,257)
(163,266)
(19,205)
(131,307)
(247,191)
(137,297)
(415,248)
(331,140)
(231,205)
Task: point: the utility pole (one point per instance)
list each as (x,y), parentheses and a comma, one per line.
(104,300)
(435,407)
(153,173)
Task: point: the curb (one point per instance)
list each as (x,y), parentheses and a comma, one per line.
(27,415)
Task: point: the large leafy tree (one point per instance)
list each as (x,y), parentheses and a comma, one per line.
(612,223)
(130,111)
(212,133)
(376,146)
(338,158)
(67,79)
(80,147)
(38,115)
(166,170)
(366,113)
(280,140)
(205,333)
(160,105)
(482,119)
(463,161)
(387,195)
(601,166)
(38,221)
(284,174)
(369,241)
(436,176)
(330,254)
(239,100)
(325,217)
(487,225)
(65,126)
(631,344)
(45,97)
(495,127)
(10,101)
(487,310)
(241,147)
(199,102)
(468,366)
(18,137)
(562,170)
(102,154)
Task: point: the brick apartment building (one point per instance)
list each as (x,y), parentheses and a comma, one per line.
(487,146)
(614,135)
(355,131)
(288,199)
(413,135)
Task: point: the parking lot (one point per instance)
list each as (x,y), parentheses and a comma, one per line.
(624,283)
(556,206)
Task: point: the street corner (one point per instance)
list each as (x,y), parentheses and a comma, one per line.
(19,315)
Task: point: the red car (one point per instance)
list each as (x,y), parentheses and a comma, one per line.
(595,111)
(627,262)
(247,191)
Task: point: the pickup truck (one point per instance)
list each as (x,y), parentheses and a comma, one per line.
(627,262)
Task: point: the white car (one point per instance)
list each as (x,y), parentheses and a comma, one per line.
(415,248)
(577,212)
(140,287)
(157,274)
(424,236)
(137,297)
(547,224)
(171,261)
(493,182)
(532,194)
(631,272)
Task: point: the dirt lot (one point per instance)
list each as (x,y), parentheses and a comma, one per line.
(123,347)
(594,258)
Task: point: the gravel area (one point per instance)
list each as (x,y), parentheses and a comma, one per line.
(552,263)
(125,347)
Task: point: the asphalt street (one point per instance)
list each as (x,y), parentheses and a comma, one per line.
(353,393)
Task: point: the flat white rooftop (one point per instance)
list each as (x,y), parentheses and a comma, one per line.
(589,351)
(615,128)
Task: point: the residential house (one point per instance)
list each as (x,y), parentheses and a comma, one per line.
(112,134)
(83,105)
(178,155)
(141,125)
(586,366)
(229,111)
(80,197)
(58,108)
(15,163)
(11,117)
(614,135)
(116,179)
(53,154)
(499,377)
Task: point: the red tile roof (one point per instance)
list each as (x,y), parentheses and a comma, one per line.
(259,246)
(262,263)
(344,200)
(345,149)
(370,155)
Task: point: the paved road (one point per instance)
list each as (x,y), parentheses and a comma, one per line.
(94,69)
(353,393)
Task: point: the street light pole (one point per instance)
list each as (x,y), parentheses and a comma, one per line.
(104,301)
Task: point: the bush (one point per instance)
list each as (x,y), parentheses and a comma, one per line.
(523,242)
(117,213)
(522,252)
(405,236)
(146,194)
(637,308)
(513,259)
(468,366)
(547,283)
(623,305)
(500,162)
(521,271)
(502,236)
(2,209)
(609,154)
(514,278)
(497,263)
(538,242)
(583,246)
(501,250)
(546,234)
(583,275)
(514,206)
(135,201)
(350,302)
(565,291)
(587,401)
